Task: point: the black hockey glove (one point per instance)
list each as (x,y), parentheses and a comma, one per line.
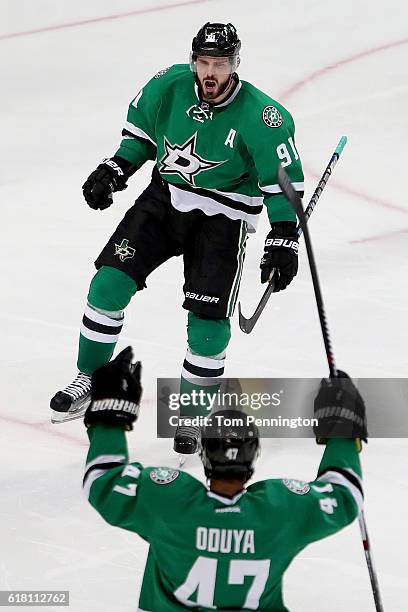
(111,175)
(280,254)
(116,392)
(340,410)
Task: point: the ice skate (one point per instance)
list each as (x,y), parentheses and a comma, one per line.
(71,402)
(186,441)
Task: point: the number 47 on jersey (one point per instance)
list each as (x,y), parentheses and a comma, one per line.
(203,574)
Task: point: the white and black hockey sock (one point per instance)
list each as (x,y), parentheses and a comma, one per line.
(102,326)
(204,371)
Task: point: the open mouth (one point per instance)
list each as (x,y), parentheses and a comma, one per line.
(210,85)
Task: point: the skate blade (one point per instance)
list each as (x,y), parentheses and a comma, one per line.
(182,460)
(64,417)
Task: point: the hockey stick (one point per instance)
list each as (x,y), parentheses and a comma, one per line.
(247,325)
(296,202)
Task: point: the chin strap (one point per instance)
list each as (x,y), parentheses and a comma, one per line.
(233,80)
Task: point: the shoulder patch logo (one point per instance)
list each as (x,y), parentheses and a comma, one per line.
(163,475)
(272,117)
(296,486)
(161,73)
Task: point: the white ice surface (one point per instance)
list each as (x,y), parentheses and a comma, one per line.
(64,95)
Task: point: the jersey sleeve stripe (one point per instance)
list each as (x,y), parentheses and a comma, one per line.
(102,466)
(126,135)
(98,467)
(105,459)
(133,130)
(353,477)
(275,189)
(347,479)
(90,478)
(348,473)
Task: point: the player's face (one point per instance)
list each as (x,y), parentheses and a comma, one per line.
(213,74)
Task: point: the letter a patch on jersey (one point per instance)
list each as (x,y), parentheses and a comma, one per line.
(230,138)
(296,486)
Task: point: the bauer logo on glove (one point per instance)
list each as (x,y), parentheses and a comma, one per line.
(282,242)
(280,255)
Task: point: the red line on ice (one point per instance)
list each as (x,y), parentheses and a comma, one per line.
(47,428)
(347,60)
(74,24)
(389,234)
(295,87)
(54,430)
(364,196)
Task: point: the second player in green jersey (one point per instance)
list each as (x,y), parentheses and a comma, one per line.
(225,547)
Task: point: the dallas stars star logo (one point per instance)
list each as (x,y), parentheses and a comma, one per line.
(184,161)
(124,250)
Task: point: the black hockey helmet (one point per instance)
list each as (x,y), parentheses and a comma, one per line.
(217,40)
(229,445)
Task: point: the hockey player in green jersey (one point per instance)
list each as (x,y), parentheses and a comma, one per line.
(225,547)
(217,143)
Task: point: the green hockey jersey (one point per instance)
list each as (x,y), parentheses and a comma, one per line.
(209,552)
(220,158)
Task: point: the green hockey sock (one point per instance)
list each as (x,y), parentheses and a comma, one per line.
(110,292)
(203,365)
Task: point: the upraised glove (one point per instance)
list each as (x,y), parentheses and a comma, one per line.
(116,392)
(340,410)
